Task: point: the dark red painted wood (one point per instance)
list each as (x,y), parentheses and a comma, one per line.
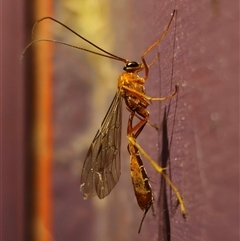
(12,152)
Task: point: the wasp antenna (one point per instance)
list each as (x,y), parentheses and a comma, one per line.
(66,44)
(80,36)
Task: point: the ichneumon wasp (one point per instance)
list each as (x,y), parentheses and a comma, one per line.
(101,168)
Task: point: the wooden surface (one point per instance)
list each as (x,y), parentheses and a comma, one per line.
(12,136)
(201,125)
(42,129)
(197,138)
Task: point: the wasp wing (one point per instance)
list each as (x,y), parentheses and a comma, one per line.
(101,168)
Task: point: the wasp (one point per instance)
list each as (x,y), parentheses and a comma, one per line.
(101,168)
(102,165)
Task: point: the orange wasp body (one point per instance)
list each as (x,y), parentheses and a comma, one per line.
(101,168)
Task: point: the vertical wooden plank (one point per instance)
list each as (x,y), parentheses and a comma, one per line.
(42,127)
(12,139)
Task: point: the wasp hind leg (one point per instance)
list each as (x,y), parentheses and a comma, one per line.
(160,170)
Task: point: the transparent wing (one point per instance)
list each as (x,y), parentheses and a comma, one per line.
(101,168)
